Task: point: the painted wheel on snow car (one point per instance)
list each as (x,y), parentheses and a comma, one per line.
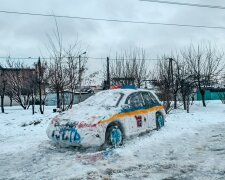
(159,121)
(114,136)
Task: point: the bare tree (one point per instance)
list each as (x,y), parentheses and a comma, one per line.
(66,68)
(90,79)
(76,66)
(33,89)
(20,82)
(162,77)
(174,82)
(205,65)
(183,83)
(56,79)
(193,68)
(129,67)
(41,82)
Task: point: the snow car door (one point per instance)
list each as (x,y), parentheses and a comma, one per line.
(137,118)
(149,103)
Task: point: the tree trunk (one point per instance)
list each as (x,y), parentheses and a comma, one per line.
(2,97)
(32,96)
(175,100)
(58,99)
(43,106)
(188,104)
(72,101)
(28,102)
(183,97)
(10,101)
(184,101)
(40,99)
(139,84)
(2,104)
(202,92)
(167,106)
(63,101)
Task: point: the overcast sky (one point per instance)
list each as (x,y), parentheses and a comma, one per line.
(25,36)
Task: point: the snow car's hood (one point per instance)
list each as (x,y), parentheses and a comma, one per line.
(86,114)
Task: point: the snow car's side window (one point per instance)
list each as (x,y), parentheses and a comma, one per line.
(147,99)
(135,100)
(153,97)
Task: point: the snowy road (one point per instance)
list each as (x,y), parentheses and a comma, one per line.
(190,146)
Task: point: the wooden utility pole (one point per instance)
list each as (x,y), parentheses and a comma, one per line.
(3,79)
(172,81)
(108,75)
(171,69)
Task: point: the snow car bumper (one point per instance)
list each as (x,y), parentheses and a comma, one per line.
(85,137)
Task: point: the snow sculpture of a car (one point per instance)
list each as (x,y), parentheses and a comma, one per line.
(107,118)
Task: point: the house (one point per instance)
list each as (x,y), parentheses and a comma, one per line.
(211,93)
(15,78)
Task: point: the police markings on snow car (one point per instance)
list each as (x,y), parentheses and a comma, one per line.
(107,118)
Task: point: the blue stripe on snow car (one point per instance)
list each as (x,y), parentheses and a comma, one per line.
(139,108)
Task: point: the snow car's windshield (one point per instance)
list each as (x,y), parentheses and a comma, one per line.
(105,98)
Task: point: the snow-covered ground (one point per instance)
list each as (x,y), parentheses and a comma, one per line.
(190,146)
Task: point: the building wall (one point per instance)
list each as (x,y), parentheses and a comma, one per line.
(209,95)
(51,99)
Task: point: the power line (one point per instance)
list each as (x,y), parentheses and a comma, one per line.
(121,59)
(114,20)
(94,58)
(9,57)
(187,4)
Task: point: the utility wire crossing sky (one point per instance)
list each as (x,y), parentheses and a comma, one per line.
(113,20)
(108,28)
(187,4)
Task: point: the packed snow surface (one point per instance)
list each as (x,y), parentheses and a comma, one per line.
(190,146)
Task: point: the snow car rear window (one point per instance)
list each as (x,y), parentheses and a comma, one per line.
(104,98)
(135,100)
(149,98)
(153,97)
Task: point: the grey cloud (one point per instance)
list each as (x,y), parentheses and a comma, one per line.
(26,36)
